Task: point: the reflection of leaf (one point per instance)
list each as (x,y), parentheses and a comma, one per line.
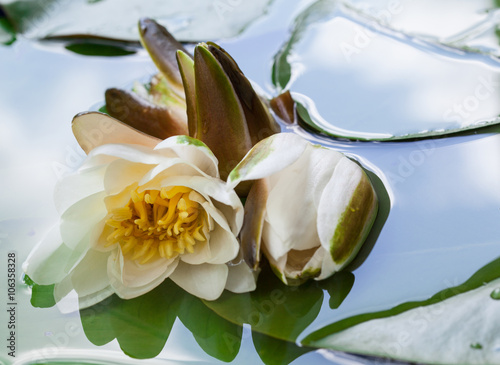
(273,308)
(338,287)
(215,335)
(273,351)
(42,296)
(486,274)
(141,325)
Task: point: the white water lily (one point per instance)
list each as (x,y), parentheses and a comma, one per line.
(134,215)
(311,207)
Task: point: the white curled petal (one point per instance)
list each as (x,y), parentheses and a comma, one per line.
(267,157)
(290,209)
(193,151)
(105,154)
(328,267)
(122,173)
(204,281)
(210,189)
(81,218)
(272,243)
(90,276)
(130,281)
(222,244)
(241,279)
(94,298)
(43,264)
(75,187)
(172,167)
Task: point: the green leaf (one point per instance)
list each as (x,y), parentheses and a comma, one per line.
(274,308)
(42,296)
(215,335)
(343,94)
(486,274)
(7,32)
(140,325)
(338,287)
(94,49)
(276,352)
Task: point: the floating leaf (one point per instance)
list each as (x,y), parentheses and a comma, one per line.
(215,335)
(42,296)
(95,49)
(140,325)
(274,308)
(457,325)
(358,79)
(276,352)
(188,20)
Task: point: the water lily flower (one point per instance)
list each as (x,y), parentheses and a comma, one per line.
(136,214)
(311,208)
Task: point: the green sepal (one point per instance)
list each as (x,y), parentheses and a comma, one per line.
(142,115)
(221,122)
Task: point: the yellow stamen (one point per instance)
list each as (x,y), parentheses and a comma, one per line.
(158,224)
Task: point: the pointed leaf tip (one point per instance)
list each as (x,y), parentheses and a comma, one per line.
(162,47)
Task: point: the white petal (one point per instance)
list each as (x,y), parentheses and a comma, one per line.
(130,279)
(91,273)
(94,298)
(44,263)
(193,151)
(75,187)
(171,167)
(204,281)
(294,198)
(267,157)
(328,267)
(222,245)
(105,154)
(122,173)
(241,279)
(81,218)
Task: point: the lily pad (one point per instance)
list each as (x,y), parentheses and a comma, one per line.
(187,20)
(357,78)
(455,326)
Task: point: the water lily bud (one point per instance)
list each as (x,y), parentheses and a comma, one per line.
(319,207)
